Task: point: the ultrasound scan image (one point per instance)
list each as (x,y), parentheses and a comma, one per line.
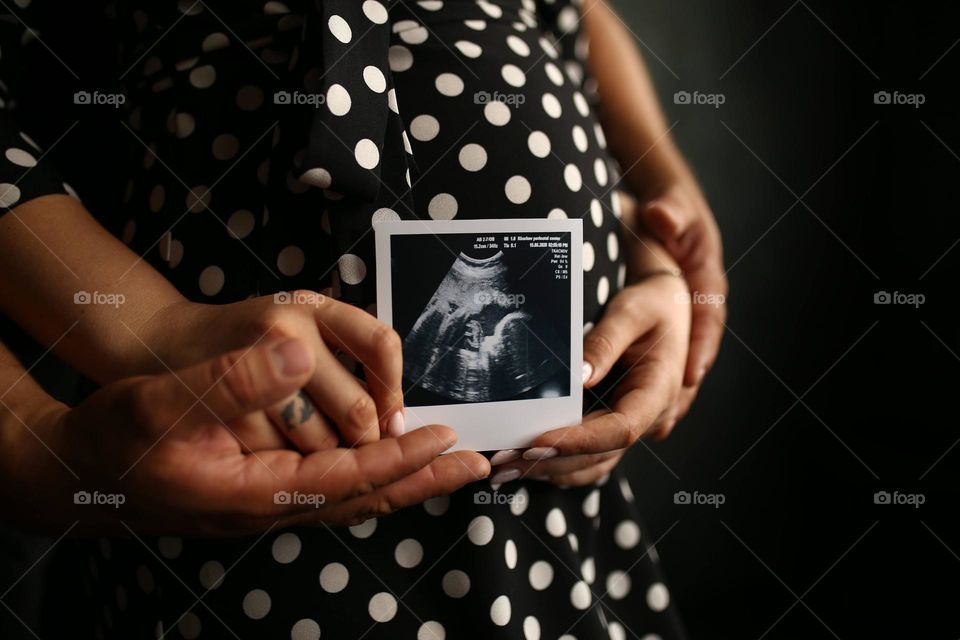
(488,320)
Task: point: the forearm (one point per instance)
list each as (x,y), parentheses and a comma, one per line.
(637,130)
(70,283)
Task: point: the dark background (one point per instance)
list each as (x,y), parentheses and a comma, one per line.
(820,398)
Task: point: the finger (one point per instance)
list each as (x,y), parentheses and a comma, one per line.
(549,467)
(441,477)
(255,432)
(666,218)
(299,421)
(379,348)
(587,476)
(621,325)
(708,320)
(339,395)
(229,386)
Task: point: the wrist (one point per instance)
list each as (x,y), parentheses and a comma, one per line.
(172,333)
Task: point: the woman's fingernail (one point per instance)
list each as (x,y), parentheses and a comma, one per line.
(292,358)
(503,457)
(540,453)
(505,476)
(395,426)
(587,371)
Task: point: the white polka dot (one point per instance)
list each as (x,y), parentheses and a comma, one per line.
(256,604)
(30,141)
(442,206)
(468,48)
(170,548)
(627,534)
(189,626)
(618,585)
(290,260)
(591,504)
(338,100)
(211,280)
(286,548)
(367,154)
(408,553)
(603,290)
(658,598)
(431,629)
(613,246)
(271,8)
(554,73)
(580,595)
(382,607)
(424,128)
(437,506)
(211,574)
(513,75)
(621,276)
(541,575)
(375,11)
(556,523)
(580,138)
(598,134)
(510,554)
(497,113)
(415,35)
(317,177)
(215,41)
(588,256)
(241,224)
(374,79)
(157,198)
(364,529)
(473,157)
(517,189)
(500,611)
(588,570)
(400,58)
(600,172)
(431,5)
(352,269)
(305,629)
(334,577)
(490,9)
(596,212)
(581,103)
(20,157)
(476,25)
(617,632)
(449,84)
(551,105)
(531,628)
(480,530)
(225,146)
(571,175)
(455,583)
(518,46)
(574,541)
(340,29)
(539,144)
(183,125)
(176,253)
(203,77)
(557,214)
(520,502)
(384,214)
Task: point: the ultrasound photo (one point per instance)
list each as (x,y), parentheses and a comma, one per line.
(484,317)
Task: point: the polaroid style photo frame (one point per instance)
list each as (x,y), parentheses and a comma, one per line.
(491,317)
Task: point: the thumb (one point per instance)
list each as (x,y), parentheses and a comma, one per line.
(237,383)
(619,327)
(666,219)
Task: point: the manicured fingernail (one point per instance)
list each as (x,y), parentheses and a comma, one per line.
(505,476)
(540,453)
(395,426)
(503,457)
(587,371)
(292,358)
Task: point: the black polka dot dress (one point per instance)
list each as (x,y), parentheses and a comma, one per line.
(267,138)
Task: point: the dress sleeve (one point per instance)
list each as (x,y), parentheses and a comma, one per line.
(24,173)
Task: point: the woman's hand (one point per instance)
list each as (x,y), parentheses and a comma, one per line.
(157,453)
(641,342)
(333,405)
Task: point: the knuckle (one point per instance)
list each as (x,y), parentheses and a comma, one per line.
(236,379)
(386,342)
(630,429)
(144,406)
(382,506)
(362,412)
